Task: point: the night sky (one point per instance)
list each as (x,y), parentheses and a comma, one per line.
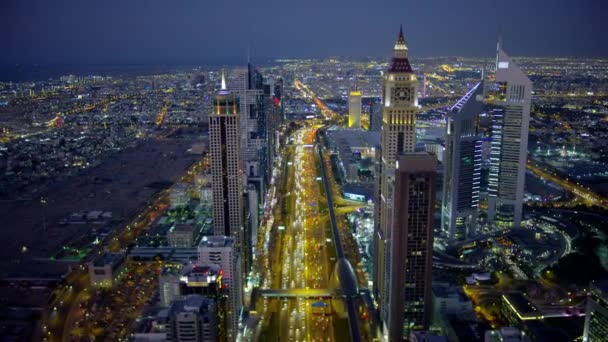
(204,31)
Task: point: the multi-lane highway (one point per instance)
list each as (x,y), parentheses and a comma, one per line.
(585,194)
(295,250)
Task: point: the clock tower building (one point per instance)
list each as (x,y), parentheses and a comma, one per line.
(398,135)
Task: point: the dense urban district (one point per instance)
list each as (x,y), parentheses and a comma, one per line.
(427,199)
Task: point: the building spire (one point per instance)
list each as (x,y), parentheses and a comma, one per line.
(223,80)
(400,47)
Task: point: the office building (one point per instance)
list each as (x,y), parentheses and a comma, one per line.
(278,99)
(354,109)
(181,235)
(222,251)
(224,138)
(107,269)
(252,221)
(193,319)
(450,299)
(175,282)
(462,166)
(509,98)
(201,279)
(375,116)
(179,195)
(169,285)
(256,108)
(517,308)
(398,135)
(506,334)
(596,319)
(410,264)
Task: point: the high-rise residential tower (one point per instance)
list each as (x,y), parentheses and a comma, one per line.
(462,165)
(510,98)
(223,252)
(410,265)
(354,109)
(224,140)
(398,135)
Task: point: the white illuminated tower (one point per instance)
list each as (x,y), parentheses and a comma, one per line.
(462,165)
(398,134)
(224,140)
(509,98)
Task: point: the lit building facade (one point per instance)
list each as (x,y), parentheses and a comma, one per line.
(462,166)
(509,98)
(410,264)
(398,135)
(223,252)
(224,138)
(354,109)
(193,319)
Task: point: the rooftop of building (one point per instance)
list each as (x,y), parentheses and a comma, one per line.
(193,303)
(200,270)
(216,241)
(182,227)
(170,270)
(109,259)
(445,290)
(522,305)
(354,138)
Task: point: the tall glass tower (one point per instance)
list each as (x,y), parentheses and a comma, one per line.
(509,98)
(462,166)
(224,141)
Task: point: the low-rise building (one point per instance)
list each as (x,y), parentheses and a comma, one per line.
(181,235)
(179,195)
(107,269)
(450,300)
(506,334)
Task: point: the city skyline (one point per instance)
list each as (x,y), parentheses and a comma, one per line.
(304,199)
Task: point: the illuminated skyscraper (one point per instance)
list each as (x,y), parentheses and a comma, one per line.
(510,99)
(398,135)
(409,304)
(354,109)
(462,166)
(224,140)
(222,251)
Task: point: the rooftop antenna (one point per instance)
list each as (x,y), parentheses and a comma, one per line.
(499,38)
(223,80)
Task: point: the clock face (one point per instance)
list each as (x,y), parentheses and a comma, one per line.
(401,94)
